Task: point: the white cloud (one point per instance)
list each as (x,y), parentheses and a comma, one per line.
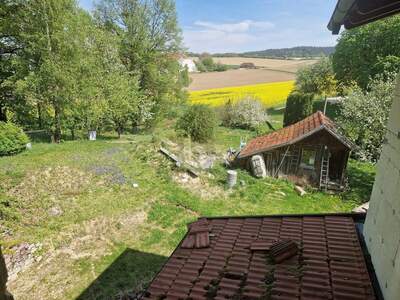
(249,35)
(243,26)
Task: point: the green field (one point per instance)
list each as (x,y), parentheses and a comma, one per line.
(101,235)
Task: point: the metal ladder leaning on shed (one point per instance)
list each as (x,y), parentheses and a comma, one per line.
(324,176)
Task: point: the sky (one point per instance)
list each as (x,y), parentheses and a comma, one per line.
(217,26)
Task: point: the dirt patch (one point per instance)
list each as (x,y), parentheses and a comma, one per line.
(56,272)
(60,180)
(291,65)
(199,186)
(212,80)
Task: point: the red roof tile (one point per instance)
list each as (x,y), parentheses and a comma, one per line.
(198,236)
(292,134)
(328,264)
(282,250)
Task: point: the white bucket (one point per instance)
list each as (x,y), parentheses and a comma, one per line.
(92,135)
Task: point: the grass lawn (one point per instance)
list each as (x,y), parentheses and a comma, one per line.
(101,235)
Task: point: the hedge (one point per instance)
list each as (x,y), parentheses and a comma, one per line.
(298,106)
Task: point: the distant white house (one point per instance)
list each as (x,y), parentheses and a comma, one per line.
(189,63)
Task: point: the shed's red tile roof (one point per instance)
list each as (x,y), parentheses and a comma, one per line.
(292,134)
(329,263)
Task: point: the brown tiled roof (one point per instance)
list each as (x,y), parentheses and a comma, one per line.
(329,263)
(292,134)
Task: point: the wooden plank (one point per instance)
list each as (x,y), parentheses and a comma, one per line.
(179,163)
(170,155)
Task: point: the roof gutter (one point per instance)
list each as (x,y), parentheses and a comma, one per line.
(338,16)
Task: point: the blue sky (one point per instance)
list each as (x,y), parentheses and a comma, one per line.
(247,25)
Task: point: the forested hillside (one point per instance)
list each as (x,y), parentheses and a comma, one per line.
(295,52)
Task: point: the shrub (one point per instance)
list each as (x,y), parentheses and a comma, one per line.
(262,129)
(364,114)
(248,113)
(248,65)
(298,106)
(218,67)
(198,122)
(207,64)
(12,139)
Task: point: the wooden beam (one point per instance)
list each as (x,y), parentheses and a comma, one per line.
(179,163)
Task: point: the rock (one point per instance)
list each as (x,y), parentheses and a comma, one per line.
(22,257)
(242,183)
(55,211)
(206,162)
(258,166)
(29,146)
(300,190)
(135,185)
(362,208)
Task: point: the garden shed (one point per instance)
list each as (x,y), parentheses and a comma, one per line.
(311,151)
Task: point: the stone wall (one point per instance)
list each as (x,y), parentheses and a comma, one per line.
(382,226)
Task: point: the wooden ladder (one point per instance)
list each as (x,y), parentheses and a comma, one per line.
(324,176)
(295,159)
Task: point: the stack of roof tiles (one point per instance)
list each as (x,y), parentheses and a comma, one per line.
(328,262)
(292,134)
(198,236)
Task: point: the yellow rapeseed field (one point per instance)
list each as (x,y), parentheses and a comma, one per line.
(270,94)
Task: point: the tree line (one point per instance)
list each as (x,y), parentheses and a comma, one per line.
(63,68)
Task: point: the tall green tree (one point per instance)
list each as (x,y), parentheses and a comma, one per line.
(49,33)
(364,115)
(318,79)
(62,68)
(150,40)
(363,52)
(11,45)
(123,97)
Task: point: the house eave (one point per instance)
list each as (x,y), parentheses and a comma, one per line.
(354,13)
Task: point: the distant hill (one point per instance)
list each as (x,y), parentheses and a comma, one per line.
(295,52)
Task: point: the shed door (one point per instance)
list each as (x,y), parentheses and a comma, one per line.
(336,164)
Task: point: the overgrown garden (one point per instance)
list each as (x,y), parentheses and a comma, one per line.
(103,216)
